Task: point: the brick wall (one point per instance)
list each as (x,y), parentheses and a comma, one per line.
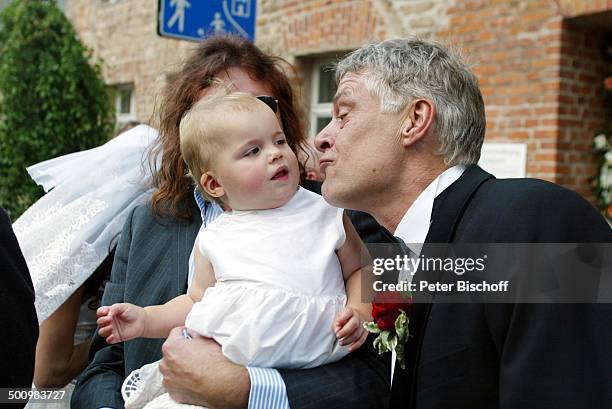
(542,80)
(520,53)
(539,62)
(515,47)
(582,110)
(298,28)
(572,8)
(123,35)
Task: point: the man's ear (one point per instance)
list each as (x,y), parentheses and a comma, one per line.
(211,185)
(418,121)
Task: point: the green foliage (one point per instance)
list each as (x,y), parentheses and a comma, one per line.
(52,101)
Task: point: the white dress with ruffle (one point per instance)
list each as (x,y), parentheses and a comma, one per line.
(279,287)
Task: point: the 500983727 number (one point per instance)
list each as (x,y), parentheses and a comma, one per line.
(22,395)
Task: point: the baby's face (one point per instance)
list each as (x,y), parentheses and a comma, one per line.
(256,167)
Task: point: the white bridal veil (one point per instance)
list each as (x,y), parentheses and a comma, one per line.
(66,234)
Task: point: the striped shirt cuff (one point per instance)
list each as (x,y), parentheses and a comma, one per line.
(267,389)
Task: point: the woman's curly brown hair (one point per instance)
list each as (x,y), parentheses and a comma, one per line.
(173,189)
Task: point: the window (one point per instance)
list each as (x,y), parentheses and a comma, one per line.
(125,104)
(321,95)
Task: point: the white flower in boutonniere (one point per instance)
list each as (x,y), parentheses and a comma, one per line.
(602,182)
(601,142)
(608,158)
(605,178)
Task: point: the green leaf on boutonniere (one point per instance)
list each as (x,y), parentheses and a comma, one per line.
(399,353)
(371,327)
(384,339)
(379,345)
(401,327)
(392,342)
(388,340)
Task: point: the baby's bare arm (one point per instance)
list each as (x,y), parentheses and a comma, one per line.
(122,322)
(351,251)
(204,275)
(348,324)
(350,256)
(162,319)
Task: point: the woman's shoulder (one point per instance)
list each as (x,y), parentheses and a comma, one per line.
(143,216)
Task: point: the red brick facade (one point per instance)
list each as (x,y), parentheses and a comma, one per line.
(540,63)
(541,74)
(542,79)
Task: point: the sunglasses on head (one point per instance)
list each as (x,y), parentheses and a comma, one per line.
(269,101)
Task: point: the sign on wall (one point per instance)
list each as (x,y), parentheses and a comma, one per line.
(504,160)
(196,19)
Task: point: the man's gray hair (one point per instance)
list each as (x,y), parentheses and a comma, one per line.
(400,70)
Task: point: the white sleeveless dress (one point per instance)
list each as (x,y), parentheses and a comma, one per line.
(279,287)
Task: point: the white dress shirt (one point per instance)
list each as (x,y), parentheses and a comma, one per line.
(414,226)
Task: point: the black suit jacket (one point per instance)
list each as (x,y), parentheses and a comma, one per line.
(510,356)
(19,322)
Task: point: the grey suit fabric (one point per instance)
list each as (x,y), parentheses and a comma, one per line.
(359,381)
(151,269)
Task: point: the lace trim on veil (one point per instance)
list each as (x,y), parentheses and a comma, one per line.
(66,234)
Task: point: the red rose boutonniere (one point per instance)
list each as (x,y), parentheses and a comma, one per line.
(390,312)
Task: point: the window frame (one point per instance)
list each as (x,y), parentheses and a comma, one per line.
(318,109)
(123,118)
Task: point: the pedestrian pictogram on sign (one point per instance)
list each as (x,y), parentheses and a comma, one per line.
(196,19)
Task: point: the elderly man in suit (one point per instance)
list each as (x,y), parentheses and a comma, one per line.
(407,129)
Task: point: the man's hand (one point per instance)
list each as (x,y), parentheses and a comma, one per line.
(196,372)
(348,327)
(121,322)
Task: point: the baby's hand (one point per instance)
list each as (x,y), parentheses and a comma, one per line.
(121,322)
(349,329)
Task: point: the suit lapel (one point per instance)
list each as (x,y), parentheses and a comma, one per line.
(451,204)
(447,212)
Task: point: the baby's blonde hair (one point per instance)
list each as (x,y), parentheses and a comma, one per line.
(203,129)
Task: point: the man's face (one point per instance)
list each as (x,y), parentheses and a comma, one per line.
(360,147)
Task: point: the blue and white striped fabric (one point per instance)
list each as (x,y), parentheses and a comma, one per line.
(267,389)
(208,210)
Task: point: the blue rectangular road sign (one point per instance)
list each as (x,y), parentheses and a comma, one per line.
(197,19)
